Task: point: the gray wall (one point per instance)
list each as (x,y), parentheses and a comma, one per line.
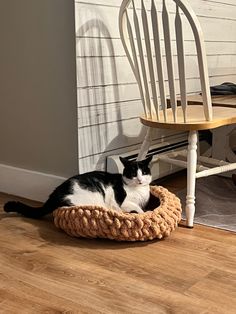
(38,114)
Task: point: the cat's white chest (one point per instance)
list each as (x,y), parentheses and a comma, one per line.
(138,195)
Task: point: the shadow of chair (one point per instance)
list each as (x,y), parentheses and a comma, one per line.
(98,119)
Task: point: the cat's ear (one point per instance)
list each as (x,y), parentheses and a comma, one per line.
(124,161)
(147,160)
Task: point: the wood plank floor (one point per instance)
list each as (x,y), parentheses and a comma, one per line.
(42,270)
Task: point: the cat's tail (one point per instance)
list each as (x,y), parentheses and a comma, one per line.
(26,210)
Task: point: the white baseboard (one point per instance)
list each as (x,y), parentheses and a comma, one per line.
(27,183)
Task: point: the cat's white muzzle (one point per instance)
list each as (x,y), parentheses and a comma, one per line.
(138,181)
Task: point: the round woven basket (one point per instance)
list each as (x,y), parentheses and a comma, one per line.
(100,222)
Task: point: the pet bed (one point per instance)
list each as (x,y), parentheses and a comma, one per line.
(99,222)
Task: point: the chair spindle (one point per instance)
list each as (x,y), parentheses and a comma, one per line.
(147,102)
(169,60)
(149,59)
(181,62)
(159,62)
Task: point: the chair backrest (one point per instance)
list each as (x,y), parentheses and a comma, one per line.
(141,35)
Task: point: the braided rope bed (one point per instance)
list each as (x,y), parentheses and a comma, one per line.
(99,222)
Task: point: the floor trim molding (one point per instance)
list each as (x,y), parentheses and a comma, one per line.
(27,183)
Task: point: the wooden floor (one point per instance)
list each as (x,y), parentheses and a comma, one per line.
(42,270)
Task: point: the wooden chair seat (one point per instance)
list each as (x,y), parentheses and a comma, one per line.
(196,119)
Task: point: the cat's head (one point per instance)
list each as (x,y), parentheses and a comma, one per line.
(136,173)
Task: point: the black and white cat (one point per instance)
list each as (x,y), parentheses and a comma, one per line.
(128,192)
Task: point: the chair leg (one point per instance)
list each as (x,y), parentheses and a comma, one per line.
(191,177)
(145,145)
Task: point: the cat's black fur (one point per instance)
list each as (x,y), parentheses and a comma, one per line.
(94,181)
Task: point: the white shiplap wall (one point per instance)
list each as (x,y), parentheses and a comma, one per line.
(108,98)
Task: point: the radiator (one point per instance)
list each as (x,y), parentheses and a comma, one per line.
(159,168)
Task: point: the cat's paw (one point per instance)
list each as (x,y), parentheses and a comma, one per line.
(135,210)
(129,207)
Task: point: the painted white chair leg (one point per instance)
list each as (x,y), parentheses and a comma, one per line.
(191,177)
(145,145)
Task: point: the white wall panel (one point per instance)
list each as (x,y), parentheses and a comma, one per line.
(108,97)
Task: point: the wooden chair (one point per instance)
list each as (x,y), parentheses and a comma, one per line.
(142,35)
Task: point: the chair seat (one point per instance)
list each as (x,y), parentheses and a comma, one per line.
(195,119)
